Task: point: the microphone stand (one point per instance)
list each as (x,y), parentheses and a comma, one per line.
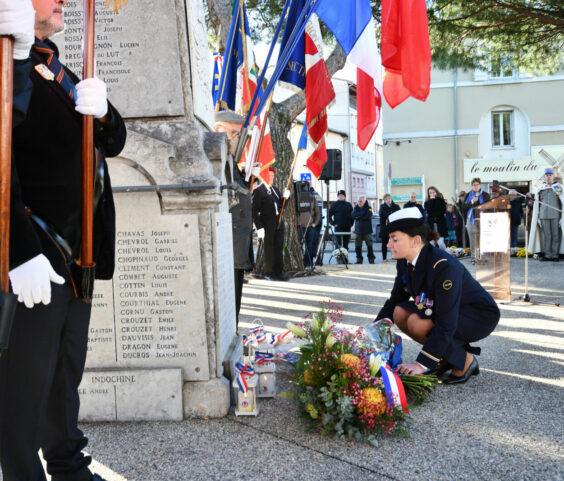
(495,183)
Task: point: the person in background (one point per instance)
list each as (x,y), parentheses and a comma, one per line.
(452,222)
(435,207)
(340,217)
(473,199)
(413,203)
(387,208)
(461,233)
(516,215)
(309,221)
(362,215)
(241,209)
(267,204)
(528,205)
(547,227)
(494,193)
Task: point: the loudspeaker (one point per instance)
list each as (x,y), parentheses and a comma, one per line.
(303,197)
(333,166)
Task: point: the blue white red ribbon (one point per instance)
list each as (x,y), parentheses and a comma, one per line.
(395,392)
(243,371)
(275,339)
(263,357)
(256,334)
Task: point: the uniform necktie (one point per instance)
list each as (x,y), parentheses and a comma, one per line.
(56,68)
(272,192)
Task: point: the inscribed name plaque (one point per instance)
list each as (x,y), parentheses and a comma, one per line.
(132,395)
(137,54)
(151,314)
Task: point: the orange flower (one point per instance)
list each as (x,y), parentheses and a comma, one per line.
(351,361)
(308,376)
(371,402)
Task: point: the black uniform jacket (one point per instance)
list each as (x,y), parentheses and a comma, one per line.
(362,219)
(47,155)
(385,212)
(266,207)
(415,204)
(462,310)
(242,222)
(340,215)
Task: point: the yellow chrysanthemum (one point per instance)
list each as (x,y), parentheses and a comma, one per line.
(371,402)
(308,375)
(351,361)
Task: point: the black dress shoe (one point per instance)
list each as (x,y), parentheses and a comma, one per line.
(544,259)
(555,259)
(473,370)
(440,370)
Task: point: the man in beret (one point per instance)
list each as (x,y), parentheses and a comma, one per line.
(436,302)
(241,209)
(547,234)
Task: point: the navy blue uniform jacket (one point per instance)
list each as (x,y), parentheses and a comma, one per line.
(362,219)
(462,310)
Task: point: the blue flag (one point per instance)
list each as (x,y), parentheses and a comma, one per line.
(295,72)
(346,20)
(302,144)
(217,61)
(233,58)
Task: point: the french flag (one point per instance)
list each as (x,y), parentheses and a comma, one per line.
(395,391)
(319,92)
(351,23)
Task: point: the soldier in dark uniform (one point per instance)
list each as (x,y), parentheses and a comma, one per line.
(436,302)
(42,369)
(267,204)
(413,203)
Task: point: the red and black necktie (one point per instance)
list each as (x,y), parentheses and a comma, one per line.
(56,68)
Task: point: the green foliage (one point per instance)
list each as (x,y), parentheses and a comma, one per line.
(530,34)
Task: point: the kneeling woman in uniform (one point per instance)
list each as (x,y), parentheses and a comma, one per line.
(436,302)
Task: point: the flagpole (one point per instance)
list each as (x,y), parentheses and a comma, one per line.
(9,300)
(86,263)
(285,56)
(245,57)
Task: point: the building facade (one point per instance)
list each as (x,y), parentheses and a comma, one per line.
(498,125)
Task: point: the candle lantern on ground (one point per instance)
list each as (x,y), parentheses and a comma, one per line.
(265,369)
(245,384)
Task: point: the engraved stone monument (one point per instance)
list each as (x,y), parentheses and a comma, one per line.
(164,326)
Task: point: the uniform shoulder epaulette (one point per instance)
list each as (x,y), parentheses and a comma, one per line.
(438,262)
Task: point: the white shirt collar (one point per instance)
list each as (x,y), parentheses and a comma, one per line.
(414,261)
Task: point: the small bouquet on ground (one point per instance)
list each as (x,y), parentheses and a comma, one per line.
(457,251)
(341,254)
(521,252)
(342,382)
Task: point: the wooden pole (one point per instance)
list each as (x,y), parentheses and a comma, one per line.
(88,142)
(6,94)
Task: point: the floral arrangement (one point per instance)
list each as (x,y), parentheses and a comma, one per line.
(342,383)
(341,254)
(458,251)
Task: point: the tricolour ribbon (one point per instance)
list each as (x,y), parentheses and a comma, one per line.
(242,371)
(263,357)
(395,391)
(275,339)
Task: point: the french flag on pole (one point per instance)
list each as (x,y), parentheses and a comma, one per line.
(351,23)
(395,391)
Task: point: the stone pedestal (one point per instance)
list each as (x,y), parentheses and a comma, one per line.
(162,328)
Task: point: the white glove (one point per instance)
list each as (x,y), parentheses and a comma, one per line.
(91,97)
(286,194)
(256,170)
(17,19)
(260,233)
(31,281)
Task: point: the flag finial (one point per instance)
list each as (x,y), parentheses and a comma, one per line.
(116,4)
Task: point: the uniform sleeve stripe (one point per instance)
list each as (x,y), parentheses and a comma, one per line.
(436,359)
(439,261)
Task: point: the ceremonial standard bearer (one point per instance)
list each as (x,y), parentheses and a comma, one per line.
(547,226)
(436,302)
(42,368)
